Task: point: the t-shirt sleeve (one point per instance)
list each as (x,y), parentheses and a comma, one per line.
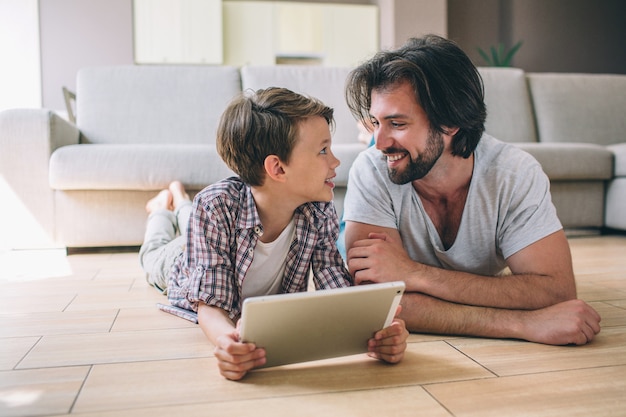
(527,213)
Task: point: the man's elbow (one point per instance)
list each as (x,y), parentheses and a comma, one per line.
(566,292)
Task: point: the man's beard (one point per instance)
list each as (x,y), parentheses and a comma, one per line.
(418,168)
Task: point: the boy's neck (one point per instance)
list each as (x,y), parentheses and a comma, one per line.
(275,212)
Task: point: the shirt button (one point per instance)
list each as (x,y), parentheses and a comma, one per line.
(250,251)
(257,230)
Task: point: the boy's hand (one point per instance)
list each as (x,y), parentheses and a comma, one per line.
(389,343)
(234,358)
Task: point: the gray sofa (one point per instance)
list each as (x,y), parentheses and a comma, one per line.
(139,127)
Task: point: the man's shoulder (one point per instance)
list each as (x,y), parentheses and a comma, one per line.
(488,145)
(506,168)
(498,154)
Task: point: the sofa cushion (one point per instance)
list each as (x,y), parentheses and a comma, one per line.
(572,161)
(509,113)
(134,167)
(153,104)
(586,108)
(619,151)
(324,83)
(616,204)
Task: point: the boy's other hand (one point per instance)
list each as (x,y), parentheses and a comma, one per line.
(389,344)
(235,358)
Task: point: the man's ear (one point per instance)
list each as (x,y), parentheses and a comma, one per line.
(450,131)
(274,168)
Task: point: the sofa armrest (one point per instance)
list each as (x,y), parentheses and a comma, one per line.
(616,190)
(619,151)
(27,139)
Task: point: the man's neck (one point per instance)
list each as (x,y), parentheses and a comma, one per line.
(443,193)
(449,176)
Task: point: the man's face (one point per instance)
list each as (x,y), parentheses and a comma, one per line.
(403,134)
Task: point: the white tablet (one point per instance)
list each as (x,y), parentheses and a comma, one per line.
(321,324)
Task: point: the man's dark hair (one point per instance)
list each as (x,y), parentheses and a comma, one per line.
(446,83)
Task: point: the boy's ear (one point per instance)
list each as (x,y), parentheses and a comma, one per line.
(274,168)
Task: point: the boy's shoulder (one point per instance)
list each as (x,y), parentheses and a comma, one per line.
(318,212)
(229,189)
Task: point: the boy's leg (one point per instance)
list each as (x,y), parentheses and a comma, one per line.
(183,213)
(160,233)
(182,206)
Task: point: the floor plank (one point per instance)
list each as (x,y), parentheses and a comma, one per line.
(508,357)
(117,347)
(142,384)
(397,402)
(40,391)
(582,392)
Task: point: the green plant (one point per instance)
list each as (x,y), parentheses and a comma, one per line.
(499,57)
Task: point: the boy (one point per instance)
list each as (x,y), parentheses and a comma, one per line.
(263,231)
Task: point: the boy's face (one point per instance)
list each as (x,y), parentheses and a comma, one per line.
(312,164)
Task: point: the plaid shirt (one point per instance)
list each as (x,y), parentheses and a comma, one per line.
(223,231)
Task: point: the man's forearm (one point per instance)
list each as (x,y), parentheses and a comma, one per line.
(425,314)
(512,291)
(569,322)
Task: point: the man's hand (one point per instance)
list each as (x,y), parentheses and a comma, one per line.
(379,258)
(234,358)
(569,322)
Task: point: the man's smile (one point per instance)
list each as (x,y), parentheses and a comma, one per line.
(395,157)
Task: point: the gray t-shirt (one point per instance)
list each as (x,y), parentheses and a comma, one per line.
(508,207)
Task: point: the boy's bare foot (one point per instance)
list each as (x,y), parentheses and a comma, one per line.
(163,200)
(179,195)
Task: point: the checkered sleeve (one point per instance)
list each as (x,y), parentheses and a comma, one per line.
(205,272)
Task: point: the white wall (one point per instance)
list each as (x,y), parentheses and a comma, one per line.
(271,32)
(20,74)
(77,34)
(177,31)
(424,17)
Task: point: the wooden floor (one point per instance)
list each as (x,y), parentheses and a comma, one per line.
(80,335)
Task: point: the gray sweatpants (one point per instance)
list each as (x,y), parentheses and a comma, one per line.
(164,241)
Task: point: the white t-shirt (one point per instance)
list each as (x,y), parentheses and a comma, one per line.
(265,274)
(508,207)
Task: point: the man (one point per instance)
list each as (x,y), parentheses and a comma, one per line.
(447,208)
